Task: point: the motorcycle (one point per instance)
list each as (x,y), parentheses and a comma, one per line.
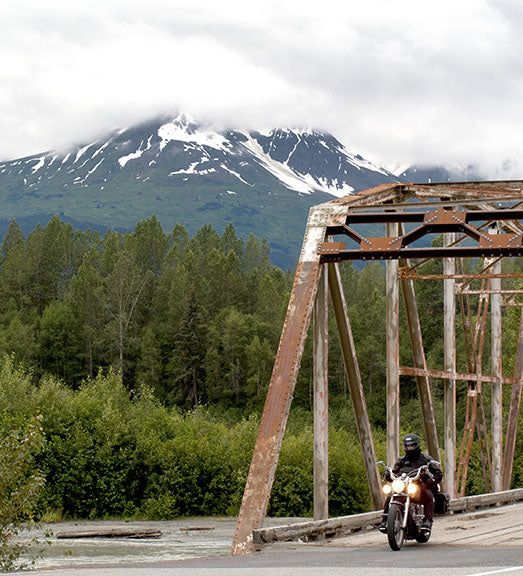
(405,516)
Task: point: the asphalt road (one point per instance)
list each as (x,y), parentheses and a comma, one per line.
(484,543)
(436,560)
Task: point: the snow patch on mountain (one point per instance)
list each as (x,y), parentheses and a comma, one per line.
(82,151)
(133,155)
(192,170)
(38,165)
(93,169)
(183,129)
(236,175)
(359,162)
(102,148)
(336,188)
(286,175)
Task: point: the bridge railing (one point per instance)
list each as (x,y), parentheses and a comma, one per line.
(343,525)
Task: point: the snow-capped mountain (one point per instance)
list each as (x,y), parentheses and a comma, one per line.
(303,160)
(185,171)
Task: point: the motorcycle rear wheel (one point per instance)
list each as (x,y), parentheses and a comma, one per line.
(395,532)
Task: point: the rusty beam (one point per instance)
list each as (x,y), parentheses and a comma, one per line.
(352,370)
(415,276)
(495,291)
(497,371)
(281,387)
(457,242)
(449,337)
(418,355)
(466,443)
(474,361)
(442,375)
(413,205)
(467,190)
(393,253)
(513,416)
(321,394)
(438,216)
(393,352)
(277,405)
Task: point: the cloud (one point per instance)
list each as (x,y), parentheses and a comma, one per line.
(407,82)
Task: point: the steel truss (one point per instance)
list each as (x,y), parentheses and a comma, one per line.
(477,220)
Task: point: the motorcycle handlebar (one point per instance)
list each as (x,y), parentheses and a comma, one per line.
(418,472)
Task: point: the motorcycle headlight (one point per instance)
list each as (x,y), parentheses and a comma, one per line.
(412,488)
(387,489)
(398,485)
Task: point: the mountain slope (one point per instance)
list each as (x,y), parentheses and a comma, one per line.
(184,171)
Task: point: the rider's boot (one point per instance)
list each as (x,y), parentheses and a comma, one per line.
(383,524)
(427,525)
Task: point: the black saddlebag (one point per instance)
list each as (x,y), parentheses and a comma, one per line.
(441,503)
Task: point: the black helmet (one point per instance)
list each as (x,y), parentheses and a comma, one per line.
(411,443)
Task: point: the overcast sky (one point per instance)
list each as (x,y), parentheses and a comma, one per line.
(399,82)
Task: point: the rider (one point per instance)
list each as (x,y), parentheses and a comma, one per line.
(412,460)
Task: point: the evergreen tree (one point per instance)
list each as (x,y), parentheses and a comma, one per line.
(86,301)
(122,296)
(186,367)
(15,272)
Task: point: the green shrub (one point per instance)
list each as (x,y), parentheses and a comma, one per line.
(89,447)
(201,468)
(292,491)
(109,453)
(20,488)
(348,485)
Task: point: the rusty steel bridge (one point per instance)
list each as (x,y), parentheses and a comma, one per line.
(480,220)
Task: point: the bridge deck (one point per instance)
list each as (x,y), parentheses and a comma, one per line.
(502,526)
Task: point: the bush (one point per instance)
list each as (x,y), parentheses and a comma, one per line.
(292,491)
(21,439)
(108,453)
(20,488)
(200,469)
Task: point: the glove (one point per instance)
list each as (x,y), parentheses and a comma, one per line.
(436,471)
(429,483)
(387,475)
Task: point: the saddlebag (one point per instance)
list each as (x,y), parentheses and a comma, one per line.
(441,503)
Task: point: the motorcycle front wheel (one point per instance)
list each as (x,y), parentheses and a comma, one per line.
(395,533)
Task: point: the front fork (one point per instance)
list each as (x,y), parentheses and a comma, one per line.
(406,514)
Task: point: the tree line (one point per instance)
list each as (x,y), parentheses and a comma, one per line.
(148,355)
(197,319)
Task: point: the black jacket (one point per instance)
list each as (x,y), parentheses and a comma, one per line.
(407,464)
